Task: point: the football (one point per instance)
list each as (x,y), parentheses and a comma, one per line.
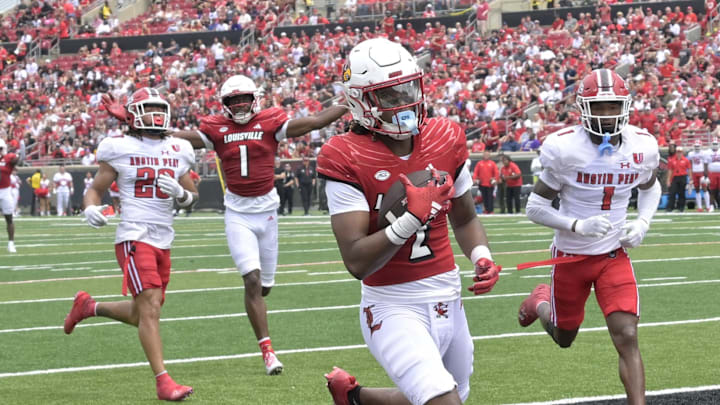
(394,202)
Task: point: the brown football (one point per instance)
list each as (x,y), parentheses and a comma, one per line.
(394,202)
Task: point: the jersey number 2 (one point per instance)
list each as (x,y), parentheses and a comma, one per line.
(145,185)
(420,250)
(607,198)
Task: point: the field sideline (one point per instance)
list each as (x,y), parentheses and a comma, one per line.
(313,316)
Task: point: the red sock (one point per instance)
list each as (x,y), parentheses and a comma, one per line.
(163,378)
(265,345)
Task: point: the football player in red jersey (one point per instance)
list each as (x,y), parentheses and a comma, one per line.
(595,166)
(246,141)
(8,161)
(411,285)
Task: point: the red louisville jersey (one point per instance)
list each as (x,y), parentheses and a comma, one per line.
(367,164)
(247,151)
(6,168)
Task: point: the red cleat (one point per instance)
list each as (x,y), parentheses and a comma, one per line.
(83,307)
(528,309)
(339,382)
(169,390)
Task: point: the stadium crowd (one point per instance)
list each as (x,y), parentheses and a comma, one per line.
(484,83)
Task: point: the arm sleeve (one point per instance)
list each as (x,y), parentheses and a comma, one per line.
(541,211)
(464,181)
(282,132)
(206,140)
(343,198)
(647,201)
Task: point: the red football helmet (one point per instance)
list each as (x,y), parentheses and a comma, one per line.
(603,85)
(136,103)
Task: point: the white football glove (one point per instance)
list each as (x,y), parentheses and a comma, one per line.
(594,227)
(94,216)
(170,186)
(633,233)
(704,180)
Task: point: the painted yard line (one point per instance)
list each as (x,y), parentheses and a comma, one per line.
(183,243)
(280,311)
(670,259)
(537,276)
(663,278)
(310,350)
(578,400)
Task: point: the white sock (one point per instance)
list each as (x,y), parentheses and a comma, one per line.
(706,195)
(161,373)
(698,204)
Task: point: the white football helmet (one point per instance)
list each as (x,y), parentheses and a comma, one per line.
(238,85)
(697,146)
(381,76)
(160,120)
(602,85)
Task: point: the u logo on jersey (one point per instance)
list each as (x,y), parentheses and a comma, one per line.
(176,148)
(638,157)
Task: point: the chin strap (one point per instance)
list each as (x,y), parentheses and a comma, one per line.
(406,120)
(605,146)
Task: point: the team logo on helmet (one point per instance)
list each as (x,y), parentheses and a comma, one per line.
(346,73)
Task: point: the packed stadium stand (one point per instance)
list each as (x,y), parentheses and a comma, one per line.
(508,89)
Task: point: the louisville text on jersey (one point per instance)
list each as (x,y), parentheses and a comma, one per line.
(243,136)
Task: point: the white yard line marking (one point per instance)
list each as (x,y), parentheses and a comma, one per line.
(663,278)
(277,311)
(289,265)
(578,400)
(309,350)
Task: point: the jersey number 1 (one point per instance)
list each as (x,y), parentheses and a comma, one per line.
(243,160)
(145,185)
(607,198)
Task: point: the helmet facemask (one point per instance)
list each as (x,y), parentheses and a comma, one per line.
(394,108)
(159,114)
(598,124)
(240,106)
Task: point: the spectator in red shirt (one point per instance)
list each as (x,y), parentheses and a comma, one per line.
(482,14)
(512,176)
(678,170)
(486,175)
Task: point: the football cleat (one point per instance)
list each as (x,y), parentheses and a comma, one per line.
(169,390)
(273,366)
(11,247)
(528,309)
(340,382)
(83,307)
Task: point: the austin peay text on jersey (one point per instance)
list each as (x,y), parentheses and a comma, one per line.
(153,161)
(606,178)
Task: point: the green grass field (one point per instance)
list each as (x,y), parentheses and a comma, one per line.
(314,318)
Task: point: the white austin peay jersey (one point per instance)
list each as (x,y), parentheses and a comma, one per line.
(713,161)
(699,160)
(591,184)
(146,211)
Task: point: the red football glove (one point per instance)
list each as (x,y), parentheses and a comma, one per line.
(426,202)
(487,274)
(114,107)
